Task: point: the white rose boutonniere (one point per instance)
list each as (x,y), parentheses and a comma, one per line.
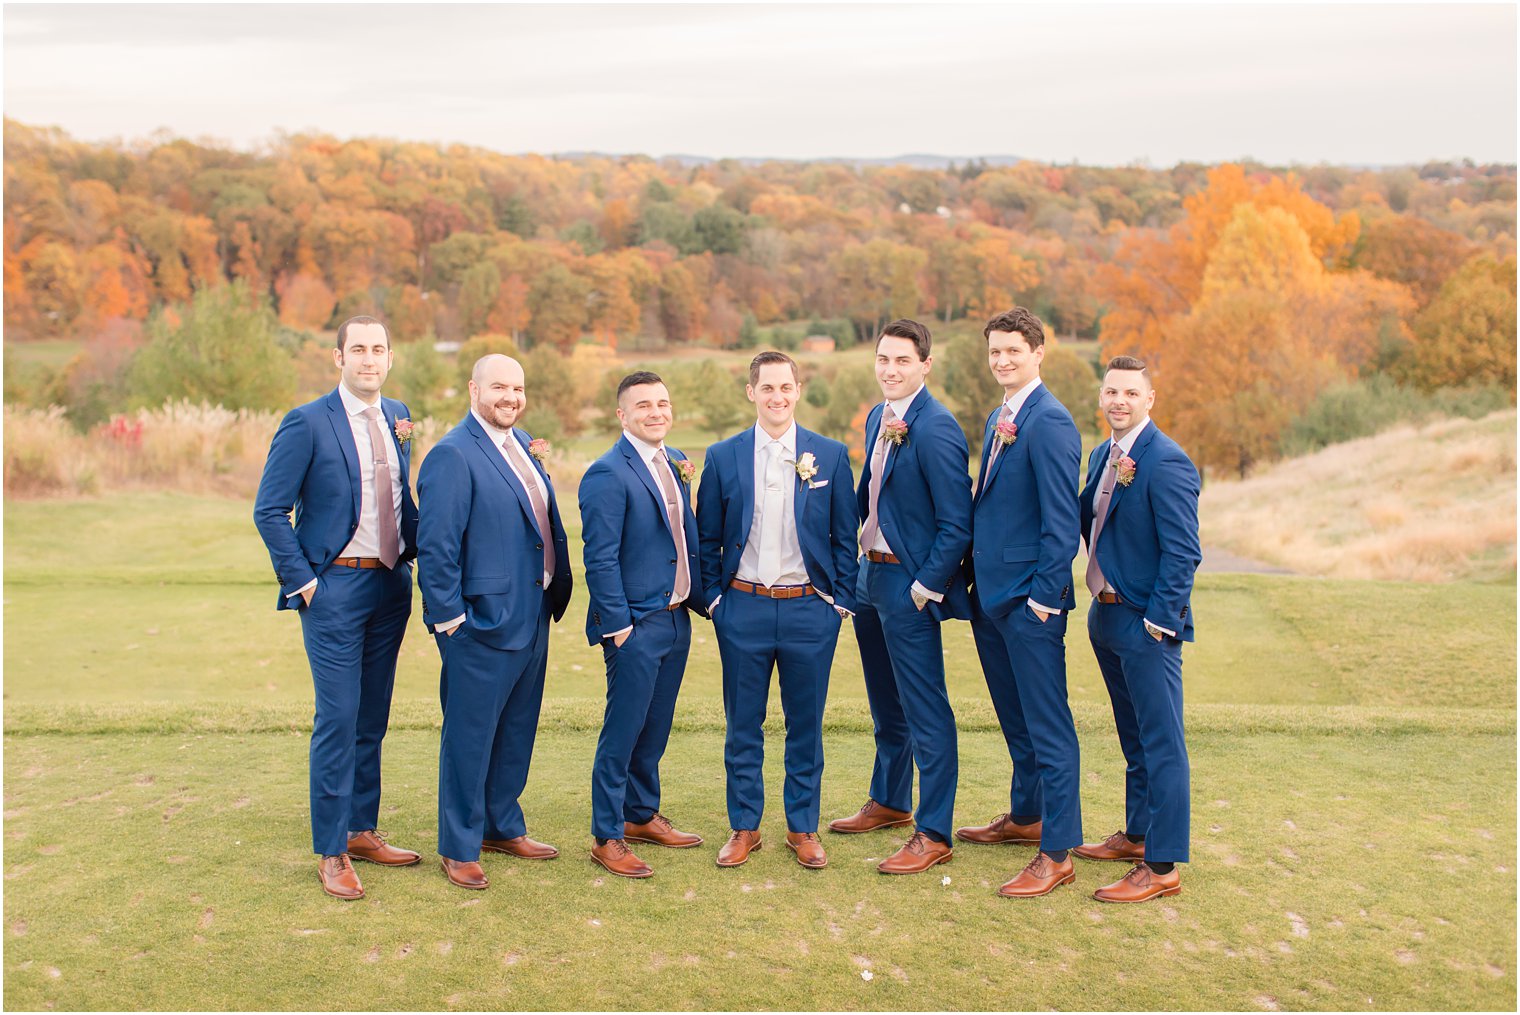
(807,468)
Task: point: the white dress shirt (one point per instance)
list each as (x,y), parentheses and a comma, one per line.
(650,453)
(499,437)
(1126,444)
(793,570)
(366,539)
(899,409)
(1015,403)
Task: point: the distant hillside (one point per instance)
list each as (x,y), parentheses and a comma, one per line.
(1433,503)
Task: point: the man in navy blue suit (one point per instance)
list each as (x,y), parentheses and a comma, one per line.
(915,505)
(494,568)
(641,568)
(777,518)
(1140,514)
(1025,533)
(342,465)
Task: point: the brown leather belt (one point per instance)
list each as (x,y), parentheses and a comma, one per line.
(877,557)
(1109,598)
(779,592)
(366,563)
(675,606)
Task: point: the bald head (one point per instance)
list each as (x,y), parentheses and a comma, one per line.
(498,391)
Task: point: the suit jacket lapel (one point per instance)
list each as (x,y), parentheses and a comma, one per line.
(1141,443)
(982,479)
(744,463)
(641,470)
(908,417)
(488,447)
(344,432)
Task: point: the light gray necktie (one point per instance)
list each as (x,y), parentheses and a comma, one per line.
(385,501)
(535,497)
(772,507)
(997,445)
(872,526)
(1095,579)
(677,527)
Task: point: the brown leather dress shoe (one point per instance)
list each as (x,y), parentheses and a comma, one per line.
(1000,829)
(619,859)
(1040,876)
(659,831)
(465,873)
(1141,884)
(917,855)
(869,818)
(371,846)
(808,849)
(741,843)
(1115,847)
(521,847)
(339,879)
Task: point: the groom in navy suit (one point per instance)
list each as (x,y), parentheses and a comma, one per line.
(777,518)
(1140,515)
(641,569)
(494,568)
(1025,534)
(915,507)
(342,465)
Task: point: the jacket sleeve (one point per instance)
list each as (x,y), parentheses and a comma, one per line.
(603,505)
(944,458)
(710,528)
(444,491)
(844,531)
(1174,504)
(1056,458)
(280,487)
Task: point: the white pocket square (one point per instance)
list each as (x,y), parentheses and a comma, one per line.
(820,484)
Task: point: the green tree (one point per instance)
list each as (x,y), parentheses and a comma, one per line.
(557,301)
(477,296)
(1074,381)
(554,404)
(719,398)
(476,347)
(420,379)
(221,348)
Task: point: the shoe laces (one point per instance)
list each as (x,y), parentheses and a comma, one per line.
(1037,865)
(917,842)
(810,837)
(1140,873)
(662,821)
(736,835)
(1117,841)
(619,847)
(341,863)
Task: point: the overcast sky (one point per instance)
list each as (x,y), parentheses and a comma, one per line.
(1357,84)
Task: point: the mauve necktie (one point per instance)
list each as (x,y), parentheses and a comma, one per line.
(872,526)
(1095,579)
(677,527)
(997,445)
(535,497)
(390,539)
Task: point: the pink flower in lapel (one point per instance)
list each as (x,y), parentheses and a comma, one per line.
(540,448)
(895,431)
(687,469)
(1124,471)
(1006,433)
(404,429)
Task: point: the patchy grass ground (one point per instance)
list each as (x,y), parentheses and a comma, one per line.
(1353,748)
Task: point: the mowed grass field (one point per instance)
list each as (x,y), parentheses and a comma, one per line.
(1352,742)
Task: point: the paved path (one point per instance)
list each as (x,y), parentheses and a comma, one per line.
(1215,559)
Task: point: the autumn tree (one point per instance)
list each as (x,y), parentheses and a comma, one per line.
(1467,334)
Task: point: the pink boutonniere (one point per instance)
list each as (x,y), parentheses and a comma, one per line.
(1007,433)
(540,448)
(895,432)
(687,470)
(404,428)
(1124,471)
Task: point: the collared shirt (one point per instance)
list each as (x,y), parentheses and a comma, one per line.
(793,570)
(366,538)
(1015,403)
(1126,445)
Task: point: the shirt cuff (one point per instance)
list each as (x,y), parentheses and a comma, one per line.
(1043,609)
(839,609)
(938,597)
(309,585)
(713,605)
(614,634)
(1154,629)
(449,625)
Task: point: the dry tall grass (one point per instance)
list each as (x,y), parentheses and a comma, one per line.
(1430,503)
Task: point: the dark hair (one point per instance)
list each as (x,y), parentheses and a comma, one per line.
(636,378)
(361,319)
(1020,321)
(771,357)
(911,330)
(1128,363)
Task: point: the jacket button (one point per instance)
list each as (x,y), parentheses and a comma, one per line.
(672,560)
(538,546)
(539,582)
(666,593)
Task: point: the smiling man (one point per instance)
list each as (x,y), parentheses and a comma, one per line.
(915,504)
(641,569)
(777,517)
(495,569)
(342,465)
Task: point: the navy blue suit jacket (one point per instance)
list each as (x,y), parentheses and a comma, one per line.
(925,501)
(479,549)
(1149,547)
(630,550)
(313,469)
(824,509)
(1026,528)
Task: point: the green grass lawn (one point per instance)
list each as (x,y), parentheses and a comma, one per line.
(1353,749)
